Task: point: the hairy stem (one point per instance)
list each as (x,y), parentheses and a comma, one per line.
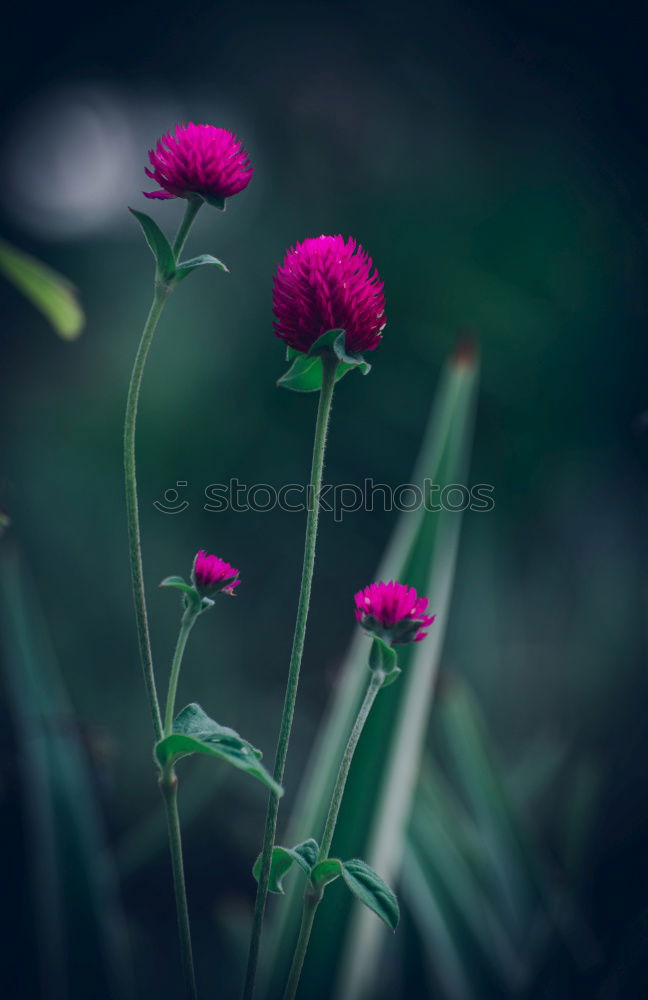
(311,902)
(186,626)
(162,290)
(168,780)
(191,211)
(132,511)
(329,366)
(375,683)
(311,898)
(169,789)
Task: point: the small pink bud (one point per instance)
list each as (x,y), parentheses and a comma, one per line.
(393,612)
(211,575)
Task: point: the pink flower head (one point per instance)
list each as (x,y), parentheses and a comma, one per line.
(211,574)
(199,160)
(326,283)
(393,612)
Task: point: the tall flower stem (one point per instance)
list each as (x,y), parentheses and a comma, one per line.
(132,509)
(168,779)
(162,291)
(313,896)
(186,625)
(329,366)
(169,789)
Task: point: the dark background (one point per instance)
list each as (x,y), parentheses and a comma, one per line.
(492,159)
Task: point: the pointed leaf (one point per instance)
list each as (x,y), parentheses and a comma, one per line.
(370,889)
(355,360)
(190,593)
(187,266)
(158,243)
(195,732)
(326,342)
(215,201)
(305,374)
(382,656)
(392,676)
(283,858)
(326,871)
(48,291)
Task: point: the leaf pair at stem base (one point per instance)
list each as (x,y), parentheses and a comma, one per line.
(361,880)
(306,371)
(169,271)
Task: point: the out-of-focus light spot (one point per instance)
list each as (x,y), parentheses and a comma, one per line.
(75,158)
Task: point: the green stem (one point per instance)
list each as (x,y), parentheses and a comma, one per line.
(311,902)
(162,290)
(312,898)
(186,626)
(169,789)
(168,780)
(191,211)
(132,512)
(329,366)
(375,684)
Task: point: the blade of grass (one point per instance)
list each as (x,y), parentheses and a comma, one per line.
(81,927)
(48,291)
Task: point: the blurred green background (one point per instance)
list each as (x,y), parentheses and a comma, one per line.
(491,158)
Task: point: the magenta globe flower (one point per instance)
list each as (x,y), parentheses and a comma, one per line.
(393,612)
(199,160)
(326,283)
(211,575)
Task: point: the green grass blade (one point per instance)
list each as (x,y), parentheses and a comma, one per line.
(80,925)
(48,291)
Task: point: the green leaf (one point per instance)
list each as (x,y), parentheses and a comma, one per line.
(283,858)
(47,290)
(382,656)
(326,871)
(195,732)
(305,374)
(191,595)
(214,201)
(326,342)
(370,889)
(187,266)
(158,243)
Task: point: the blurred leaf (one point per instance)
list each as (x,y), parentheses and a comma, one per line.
(446,846)
(525,886)
(187,266)
(195,732)
(48,291)
(283,858)
(367,886)
(75,894)
(444,957)
(158,243)
(376,807)
(580,807)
